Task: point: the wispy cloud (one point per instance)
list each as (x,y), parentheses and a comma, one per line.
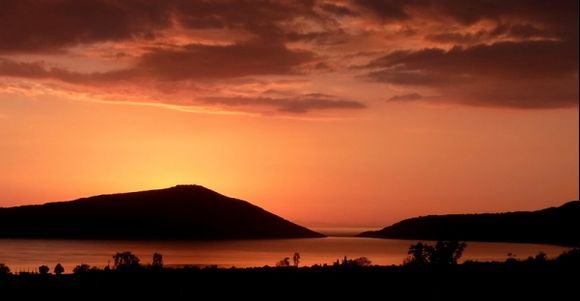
(200,53)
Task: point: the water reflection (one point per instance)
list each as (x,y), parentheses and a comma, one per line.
(28,254)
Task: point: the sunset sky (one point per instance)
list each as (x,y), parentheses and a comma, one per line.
(356,113)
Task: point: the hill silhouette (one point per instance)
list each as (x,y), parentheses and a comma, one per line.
(180,212)
(555,225)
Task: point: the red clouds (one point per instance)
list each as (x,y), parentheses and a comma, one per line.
(54,25)
(206,62)
(519,74)
(491,53)
(290,104)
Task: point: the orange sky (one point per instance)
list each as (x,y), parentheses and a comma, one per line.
(326,112)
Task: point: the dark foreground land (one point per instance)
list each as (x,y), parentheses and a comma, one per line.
(532,279)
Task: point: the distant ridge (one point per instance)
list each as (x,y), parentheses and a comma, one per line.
(180,212)
(555,225)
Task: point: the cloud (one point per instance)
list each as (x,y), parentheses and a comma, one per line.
(179,83)
(52,25)
(339,10)
(406,97)
(257,57)
(468,12)
(497,75)
(504,59)
(194,61)
(55,25)
(466,21)
(35,70)
(489,53)
(500,32)
(387,10)
(41,70)
(558,13)
(297,104)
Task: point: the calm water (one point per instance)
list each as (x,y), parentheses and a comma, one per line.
(28,254)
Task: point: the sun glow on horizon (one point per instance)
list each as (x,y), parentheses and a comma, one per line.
(324,112)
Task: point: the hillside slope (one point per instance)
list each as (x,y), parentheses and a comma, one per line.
(180,212)
(556,225)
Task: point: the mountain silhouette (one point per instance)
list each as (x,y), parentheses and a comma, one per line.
(180,212)
(555,225)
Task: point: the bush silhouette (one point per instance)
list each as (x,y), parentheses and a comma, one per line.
(570,258)
(539,258)
(81,268)
(4,269)
(125,260)
(284,262)
(357,262)
(361,262)
(43,269)
(443,253)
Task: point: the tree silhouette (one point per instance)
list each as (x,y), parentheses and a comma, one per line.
(81,268)
(419,254)
(157,260)
(4,269)
(447,252)
(43,269)
(296,259)
(443,253)
(124,260)
(58,269)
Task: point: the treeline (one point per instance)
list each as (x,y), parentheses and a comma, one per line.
(443,253)
(432,272)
